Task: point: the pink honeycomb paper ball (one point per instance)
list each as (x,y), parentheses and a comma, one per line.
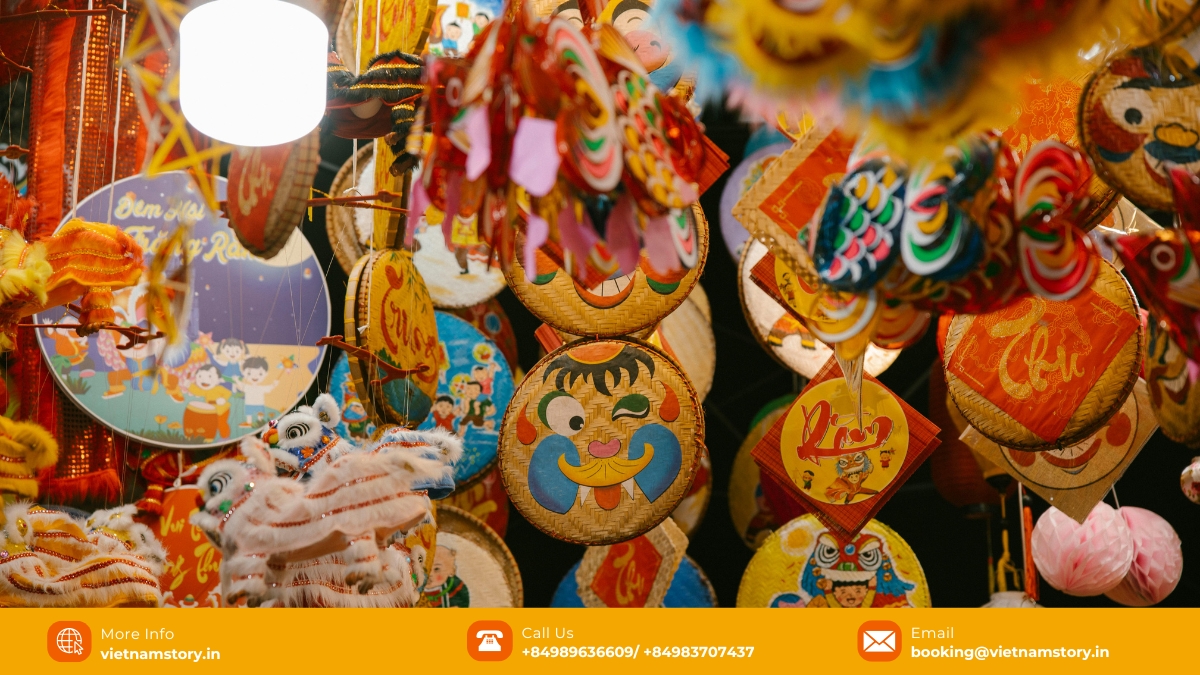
(1157,560)
(1086,559)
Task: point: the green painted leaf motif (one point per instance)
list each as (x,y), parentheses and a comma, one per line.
(633,405)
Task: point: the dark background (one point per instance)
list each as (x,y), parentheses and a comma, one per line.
(952,548)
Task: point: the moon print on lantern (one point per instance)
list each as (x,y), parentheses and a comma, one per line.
(249,351)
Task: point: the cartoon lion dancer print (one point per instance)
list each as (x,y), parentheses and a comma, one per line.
(856,574)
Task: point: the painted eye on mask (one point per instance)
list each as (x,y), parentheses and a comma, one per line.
(216,485)
(562,413)
(633,405)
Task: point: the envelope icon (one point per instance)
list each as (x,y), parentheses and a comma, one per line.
(879,641)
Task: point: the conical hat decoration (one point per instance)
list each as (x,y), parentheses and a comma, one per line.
(1042,374)
(617,306)
(782,335)
(268,192)
(472,565)
(804,564)
(387,298)
(601,441)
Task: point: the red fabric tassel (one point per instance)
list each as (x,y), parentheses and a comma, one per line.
(52,61)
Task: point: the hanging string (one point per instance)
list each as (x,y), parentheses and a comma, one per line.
(112,190)
(87,39)
(357,72)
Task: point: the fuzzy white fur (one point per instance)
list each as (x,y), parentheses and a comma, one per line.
(320,583)
(349,506)
(304,428)
(121,561)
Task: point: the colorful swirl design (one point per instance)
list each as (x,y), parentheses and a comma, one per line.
(856,242)
(1055,256)
(593,133)
(648,156)
(938,239)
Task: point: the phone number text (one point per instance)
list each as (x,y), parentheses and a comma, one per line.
(628,652)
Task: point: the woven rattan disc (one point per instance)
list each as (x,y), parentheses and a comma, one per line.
(617,306)
(803,564)
(387,298)
(688,333)
(601,441)
(781,335)
(1041,374)
(348,242)
(1136,116)
(268,192)
(472,565)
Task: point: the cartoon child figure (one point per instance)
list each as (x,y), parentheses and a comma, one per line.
(845,593)
(450,39)
(354,416)
(885,457)
(472,408)
(254,373)
(484,375)
(207,413)
(229,356)
(444,588)
(807,478)
(70,352)
(852,471)
(443,413)
(479,22)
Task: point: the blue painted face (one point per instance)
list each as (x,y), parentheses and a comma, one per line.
(601,432)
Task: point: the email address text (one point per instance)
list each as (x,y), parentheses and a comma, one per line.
(1001,652)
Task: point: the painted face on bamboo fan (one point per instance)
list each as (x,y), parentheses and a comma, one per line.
(601,441)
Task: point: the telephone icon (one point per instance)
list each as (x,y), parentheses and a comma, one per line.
(488,640)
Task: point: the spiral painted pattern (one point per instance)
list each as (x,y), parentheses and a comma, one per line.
(1055,256)
(938,239)
(856,242)
(592,132)
(649,158)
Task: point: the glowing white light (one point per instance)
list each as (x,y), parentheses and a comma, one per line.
(252,72)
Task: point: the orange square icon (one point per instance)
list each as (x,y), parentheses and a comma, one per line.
(879,641)
(69,641)
(489,641)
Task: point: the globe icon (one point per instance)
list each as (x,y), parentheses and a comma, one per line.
(69,641)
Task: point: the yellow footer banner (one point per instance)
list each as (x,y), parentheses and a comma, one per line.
(598,640)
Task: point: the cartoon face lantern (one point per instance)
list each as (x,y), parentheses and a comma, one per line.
(620,305)
(1138,116)
(805,565)
(601,441)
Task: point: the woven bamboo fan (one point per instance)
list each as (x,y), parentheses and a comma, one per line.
(1041,374)
(804,565)
(1137,114)
(472,565)
(784,337)
(387,300)
(617,306)
(601,441)
(687,334)
(341,223)
(268,192)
